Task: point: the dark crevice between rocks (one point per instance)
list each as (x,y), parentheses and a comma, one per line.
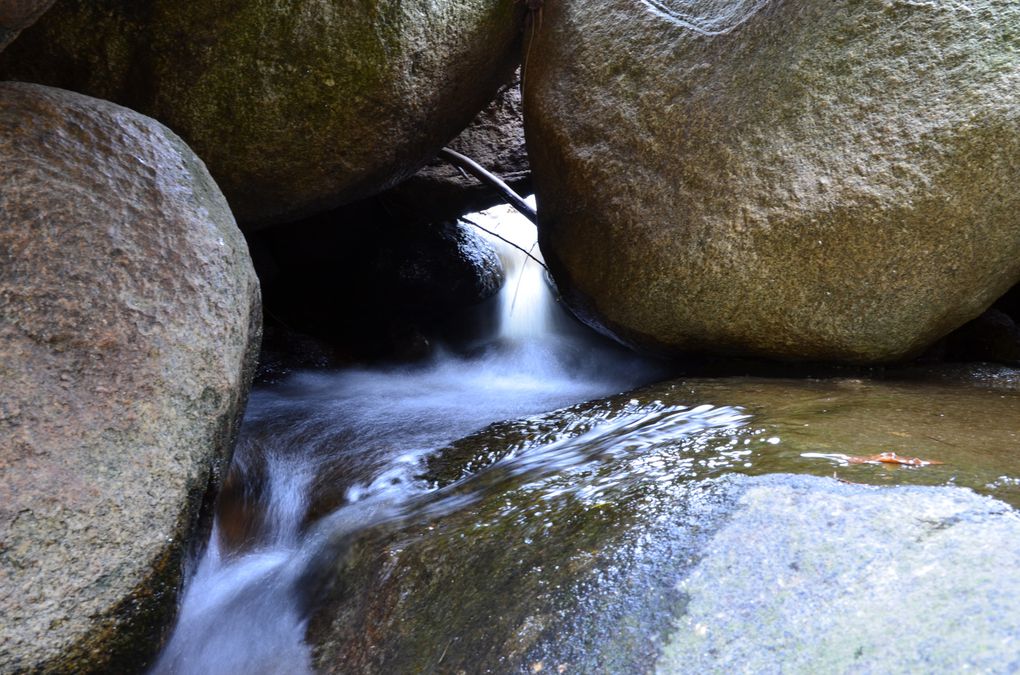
(359,286)
(388,277)
(992,337)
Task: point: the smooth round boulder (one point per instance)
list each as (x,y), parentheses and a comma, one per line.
(16,15)
(129,322)
(798,180)
(295,106)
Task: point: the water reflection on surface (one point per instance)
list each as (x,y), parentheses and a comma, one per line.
(392,445)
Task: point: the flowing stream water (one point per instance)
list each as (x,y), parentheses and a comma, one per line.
(323,455)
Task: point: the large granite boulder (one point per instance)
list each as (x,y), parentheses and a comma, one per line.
(662,528)
(294,106)
(16,15)
(852,579)
(797,180)
(129,321)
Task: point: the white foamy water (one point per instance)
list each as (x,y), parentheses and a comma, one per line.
(527,309)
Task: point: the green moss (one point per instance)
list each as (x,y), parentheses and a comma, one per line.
(293,106)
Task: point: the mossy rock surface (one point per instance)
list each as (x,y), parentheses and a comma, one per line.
(606,537)
(129,325)
(798,180)
(294,106)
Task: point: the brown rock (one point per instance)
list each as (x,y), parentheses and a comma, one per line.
(129,317)
(16,15)
(495,139)
(797,180)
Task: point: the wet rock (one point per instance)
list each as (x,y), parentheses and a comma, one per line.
(495,139)
(852,579)
(794,180)
(16,15)
(284,351)
(295,107)
(447,264)
(600,538)
(129,322)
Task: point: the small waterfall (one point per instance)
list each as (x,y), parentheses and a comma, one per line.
(326,454)
(527,308)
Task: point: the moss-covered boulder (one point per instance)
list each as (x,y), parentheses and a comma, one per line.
(129,322)
(294,106)
(16,15)
(607,537)
(797,180)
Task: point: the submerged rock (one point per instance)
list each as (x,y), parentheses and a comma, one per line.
(810,575)
(602,537)
(129,323)
(294,106)
(796,180)
(16,15)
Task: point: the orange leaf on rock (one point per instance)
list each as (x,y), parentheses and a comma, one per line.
(891,458)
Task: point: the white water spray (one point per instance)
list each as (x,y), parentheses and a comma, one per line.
(527,308)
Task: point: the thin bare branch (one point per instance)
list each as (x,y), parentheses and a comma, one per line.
(490,179)
(504,239)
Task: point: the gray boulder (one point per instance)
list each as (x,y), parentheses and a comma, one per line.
(129,322)
(294,106)
(813,576)
(796,180)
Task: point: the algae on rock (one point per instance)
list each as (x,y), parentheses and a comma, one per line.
(596,537)
(294,106)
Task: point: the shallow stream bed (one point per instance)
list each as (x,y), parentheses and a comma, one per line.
(535,505)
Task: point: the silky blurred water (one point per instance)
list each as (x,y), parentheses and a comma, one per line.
(502,434)
(319,444)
